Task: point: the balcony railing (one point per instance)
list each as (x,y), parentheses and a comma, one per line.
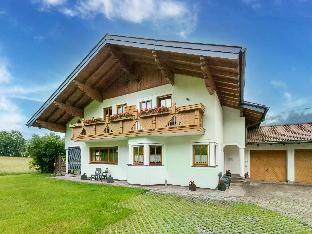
(183,120)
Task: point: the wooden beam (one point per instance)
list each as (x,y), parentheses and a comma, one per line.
(74,111)
(123,64)
(90,92)
(209,82)
(168,75)
(52,126)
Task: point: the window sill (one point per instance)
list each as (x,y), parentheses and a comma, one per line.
(203,166)
(103,163)
(141,165)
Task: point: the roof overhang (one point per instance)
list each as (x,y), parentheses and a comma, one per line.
(254,113)
(184,57)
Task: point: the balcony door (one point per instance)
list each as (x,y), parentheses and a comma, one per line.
(107,112)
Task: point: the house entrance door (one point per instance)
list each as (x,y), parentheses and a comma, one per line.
(74,160)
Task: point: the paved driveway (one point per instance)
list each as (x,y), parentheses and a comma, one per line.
(292,200)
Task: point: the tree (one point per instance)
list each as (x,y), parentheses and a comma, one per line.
(44,150)
(12,143)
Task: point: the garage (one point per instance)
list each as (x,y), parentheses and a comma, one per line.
(268,165)
(303,166)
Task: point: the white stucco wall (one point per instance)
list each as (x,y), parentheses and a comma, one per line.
(234,131)
(177,150)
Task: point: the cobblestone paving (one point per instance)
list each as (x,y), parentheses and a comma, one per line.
(294,201)
(158,213)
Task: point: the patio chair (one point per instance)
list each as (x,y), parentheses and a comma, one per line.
(104,174)
(97,174)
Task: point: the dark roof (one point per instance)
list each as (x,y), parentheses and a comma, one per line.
(288,133)
(135,47)
(254,113)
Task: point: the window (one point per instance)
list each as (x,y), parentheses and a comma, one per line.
(121,108)
(164,101)
(200,155)
(155,154)
(138,155)
(107,155)
(107,112)
(146,105)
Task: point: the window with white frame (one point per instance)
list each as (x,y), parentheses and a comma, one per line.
(164,101)
(121,108)
(147,104)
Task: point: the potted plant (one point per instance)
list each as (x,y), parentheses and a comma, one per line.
(152,111)
(192,186)
(120,116)
(110,179)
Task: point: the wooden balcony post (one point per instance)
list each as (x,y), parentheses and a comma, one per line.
(173,108)
(121,127)
(196,117)
(154,122)
(136,114)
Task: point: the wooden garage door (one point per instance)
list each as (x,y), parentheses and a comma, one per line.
(303,166)
(268,165)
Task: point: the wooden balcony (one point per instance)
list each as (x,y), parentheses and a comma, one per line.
(183,120)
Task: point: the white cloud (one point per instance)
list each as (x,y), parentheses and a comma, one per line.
(11,117)
(278,84)
(301,115)
(11,114)
(174,16)
(294,102)
(5,75)
(52,2)
(254,4)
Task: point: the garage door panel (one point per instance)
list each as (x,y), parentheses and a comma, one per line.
(303,166)
(268,165)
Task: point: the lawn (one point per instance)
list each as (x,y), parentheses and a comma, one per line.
(14,165)
(33,203)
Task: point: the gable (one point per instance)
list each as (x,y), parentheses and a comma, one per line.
(119,65)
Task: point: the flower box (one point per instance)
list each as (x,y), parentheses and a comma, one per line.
(122,116)
(92,121)
(154,111)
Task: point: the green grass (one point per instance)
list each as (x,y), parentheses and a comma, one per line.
(14,165)
(33,203)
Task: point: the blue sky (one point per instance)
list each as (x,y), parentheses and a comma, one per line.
(41,41)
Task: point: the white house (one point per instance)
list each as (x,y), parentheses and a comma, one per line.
(156,112)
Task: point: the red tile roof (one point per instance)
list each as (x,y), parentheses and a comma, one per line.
(288,133)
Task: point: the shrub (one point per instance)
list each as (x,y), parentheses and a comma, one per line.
(44,150)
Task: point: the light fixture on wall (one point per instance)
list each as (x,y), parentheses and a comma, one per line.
(187,99)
